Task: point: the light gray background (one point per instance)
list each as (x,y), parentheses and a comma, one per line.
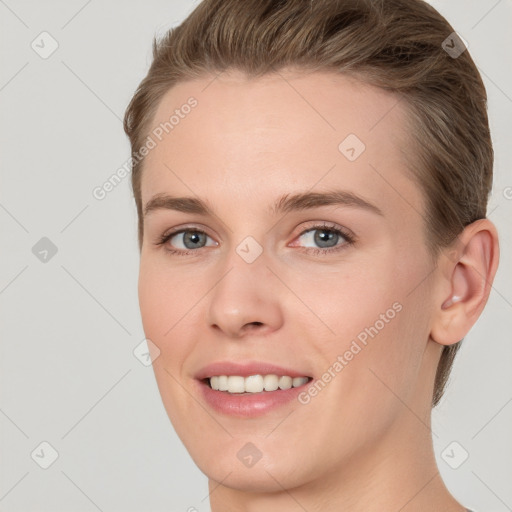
(69,326)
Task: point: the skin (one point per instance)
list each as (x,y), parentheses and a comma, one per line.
(364,442)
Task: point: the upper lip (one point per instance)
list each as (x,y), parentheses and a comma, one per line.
(246,369)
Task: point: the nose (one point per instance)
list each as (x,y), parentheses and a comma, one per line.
(246,300)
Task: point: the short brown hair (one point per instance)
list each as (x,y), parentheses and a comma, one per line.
(393,44)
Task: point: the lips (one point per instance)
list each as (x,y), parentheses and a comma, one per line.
(235,389)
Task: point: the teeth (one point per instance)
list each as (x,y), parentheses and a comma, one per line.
(285,382)
(223,383)
(236,384)
(255,383)
(299,381)
(270,382)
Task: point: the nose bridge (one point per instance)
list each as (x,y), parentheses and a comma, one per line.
(246,294)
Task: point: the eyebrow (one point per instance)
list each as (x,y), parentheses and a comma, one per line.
(284,204)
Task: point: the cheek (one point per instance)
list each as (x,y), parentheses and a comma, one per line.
(161,307)
(376,323)
(351,301)
(153,302)
(161,310)
(165,294)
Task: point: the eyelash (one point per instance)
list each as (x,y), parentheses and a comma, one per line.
(349,239)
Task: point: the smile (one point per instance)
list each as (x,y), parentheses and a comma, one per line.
(249,388)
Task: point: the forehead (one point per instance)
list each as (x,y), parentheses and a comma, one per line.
(269,135)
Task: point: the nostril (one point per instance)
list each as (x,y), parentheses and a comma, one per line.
(260,327)
(254,325)
(248,325)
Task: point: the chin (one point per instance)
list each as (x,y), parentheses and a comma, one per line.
(256,480)
(271,473)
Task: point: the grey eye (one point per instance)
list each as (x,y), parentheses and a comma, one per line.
(323,238)
(189,239)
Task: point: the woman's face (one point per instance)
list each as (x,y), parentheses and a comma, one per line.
(252,279)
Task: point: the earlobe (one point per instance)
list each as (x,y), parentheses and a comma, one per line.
(466,282)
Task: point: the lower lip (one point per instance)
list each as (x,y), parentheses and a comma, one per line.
(248,405)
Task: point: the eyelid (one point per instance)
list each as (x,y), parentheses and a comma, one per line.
(348,234)
(179,229)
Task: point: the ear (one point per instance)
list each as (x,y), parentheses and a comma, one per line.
(467,268)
